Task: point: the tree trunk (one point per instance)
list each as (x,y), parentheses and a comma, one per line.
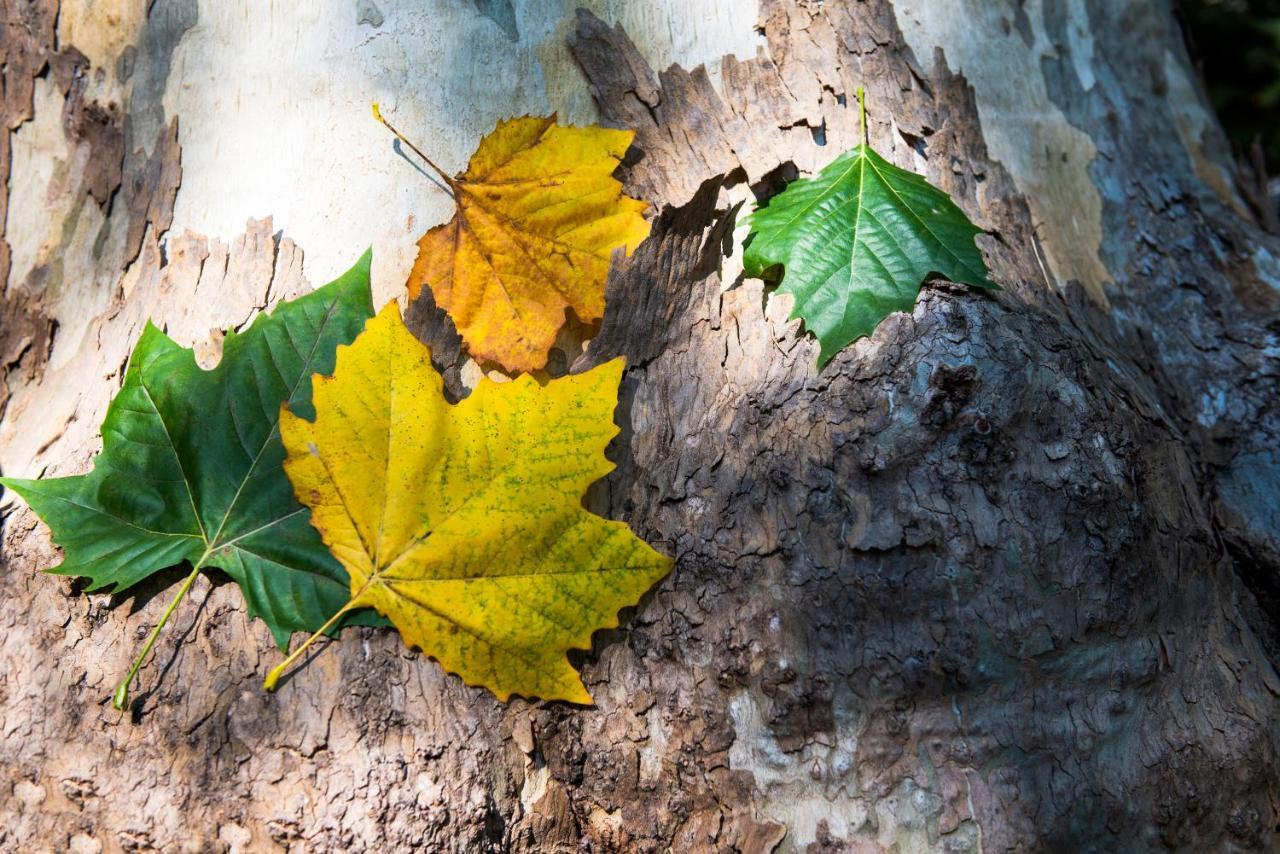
(1004,576)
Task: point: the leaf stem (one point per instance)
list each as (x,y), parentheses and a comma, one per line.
(862,112)
(120,699)
(269,684)
(377,114)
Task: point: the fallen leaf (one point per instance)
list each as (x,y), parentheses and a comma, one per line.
(190,468)
(463,523)
(539,215)
(856,242)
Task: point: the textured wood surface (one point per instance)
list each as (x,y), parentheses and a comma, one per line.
(1000,577)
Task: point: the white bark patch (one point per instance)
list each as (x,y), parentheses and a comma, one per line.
(38,203)
(819,785)
(534,786)
(274,108)
(653,750)
(1080,43)
(1014,106)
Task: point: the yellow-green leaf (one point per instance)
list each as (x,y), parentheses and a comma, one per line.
(539,216)
(464,524)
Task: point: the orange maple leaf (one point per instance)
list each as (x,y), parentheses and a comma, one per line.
(539,216)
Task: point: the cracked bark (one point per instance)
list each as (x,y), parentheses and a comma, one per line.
(1001,577)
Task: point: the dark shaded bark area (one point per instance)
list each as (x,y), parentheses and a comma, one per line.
(982,555)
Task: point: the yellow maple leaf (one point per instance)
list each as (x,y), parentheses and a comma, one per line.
(539,217)
(463,524)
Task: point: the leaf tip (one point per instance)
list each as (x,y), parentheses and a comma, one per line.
(391,309)
(363,266)
(23,488)
(151,333)
(614,367)
(568,689)
(582,697)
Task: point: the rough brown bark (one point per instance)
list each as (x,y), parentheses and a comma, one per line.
(1001,577)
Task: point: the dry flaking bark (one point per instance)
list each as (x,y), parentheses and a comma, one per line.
(152,190)
(995,579)
(28,37)
(26,42)
(94,133)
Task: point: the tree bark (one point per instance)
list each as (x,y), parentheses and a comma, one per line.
(1003,576)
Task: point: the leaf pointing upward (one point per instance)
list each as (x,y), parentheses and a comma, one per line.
(190,467)
(857,241)
(464,523)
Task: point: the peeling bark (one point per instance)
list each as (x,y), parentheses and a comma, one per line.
(153,190)
(1000,577)
(27,42)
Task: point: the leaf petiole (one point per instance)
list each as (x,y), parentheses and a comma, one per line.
(377,114)
(862,112)
(269,684)
(120,699)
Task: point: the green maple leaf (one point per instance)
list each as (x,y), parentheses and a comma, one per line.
(857,241)
(191,468)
